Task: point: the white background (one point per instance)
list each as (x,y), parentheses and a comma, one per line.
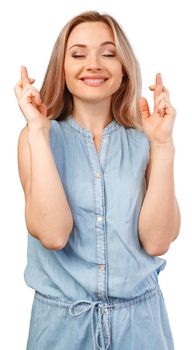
(159,32)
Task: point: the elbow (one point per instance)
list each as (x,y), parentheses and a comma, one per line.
(157,250)
(51,237)
(60,240)
(55,244)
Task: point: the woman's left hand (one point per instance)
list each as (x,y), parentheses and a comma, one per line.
(158,125)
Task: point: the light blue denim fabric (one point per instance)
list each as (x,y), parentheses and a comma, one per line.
(103,270)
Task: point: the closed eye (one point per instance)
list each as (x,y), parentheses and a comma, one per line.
(75,56)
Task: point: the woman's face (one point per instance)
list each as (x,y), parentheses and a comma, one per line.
(96,60)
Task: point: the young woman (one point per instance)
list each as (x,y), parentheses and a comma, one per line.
(96,167)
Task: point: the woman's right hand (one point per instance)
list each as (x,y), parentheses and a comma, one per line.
(29,100)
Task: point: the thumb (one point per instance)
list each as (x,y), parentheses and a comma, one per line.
(144,108)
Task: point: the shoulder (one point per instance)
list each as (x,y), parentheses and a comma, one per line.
(55,132)
(138,136)
(140,141)
(54,126)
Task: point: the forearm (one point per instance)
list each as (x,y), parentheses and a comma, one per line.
(47,213)
(159,218)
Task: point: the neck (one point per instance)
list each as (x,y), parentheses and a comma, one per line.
(93,116)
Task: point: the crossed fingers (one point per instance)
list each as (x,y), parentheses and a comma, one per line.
(161,95)
(24,88)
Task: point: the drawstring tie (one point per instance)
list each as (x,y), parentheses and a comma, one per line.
(101,310)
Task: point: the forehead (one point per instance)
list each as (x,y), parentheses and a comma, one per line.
(90,33)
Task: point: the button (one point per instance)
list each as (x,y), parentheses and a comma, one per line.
(99,218)
(98,175)
(105,310)
(101,267)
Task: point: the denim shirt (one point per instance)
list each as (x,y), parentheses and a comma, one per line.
(103,258)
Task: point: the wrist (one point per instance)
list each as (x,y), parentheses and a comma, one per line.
(163,144)
(38,123)
(35,133)
(165,150)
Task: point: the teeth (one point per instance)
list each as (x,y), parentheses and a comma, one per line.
(94,80)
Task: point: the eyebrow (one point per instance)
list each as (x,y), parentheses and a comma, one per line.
(102,44)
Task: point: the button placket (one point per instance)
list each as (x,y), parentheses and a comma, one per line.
(100,235)
(97,161)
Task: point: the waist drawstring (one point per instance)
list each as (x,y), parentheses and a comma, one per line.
(101,310)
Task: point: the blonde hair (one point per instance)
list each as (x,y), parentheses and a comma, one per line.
(124,103)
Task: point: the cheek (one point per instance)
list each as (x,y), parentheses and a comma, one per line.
(72,70)
(67,68)
(70,74)
(117,74)
(117,71)
(116,85)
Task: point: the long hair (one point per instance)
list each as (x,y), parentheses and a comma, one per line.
(124,102)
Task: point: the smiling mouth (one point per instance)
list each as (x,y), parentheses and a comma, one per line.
(94,82)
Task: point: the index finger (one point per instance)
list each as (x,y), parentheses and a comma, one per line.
(24,75)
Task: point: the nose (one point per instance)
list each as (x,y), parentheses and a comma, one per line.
(93,63)
(93,68)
